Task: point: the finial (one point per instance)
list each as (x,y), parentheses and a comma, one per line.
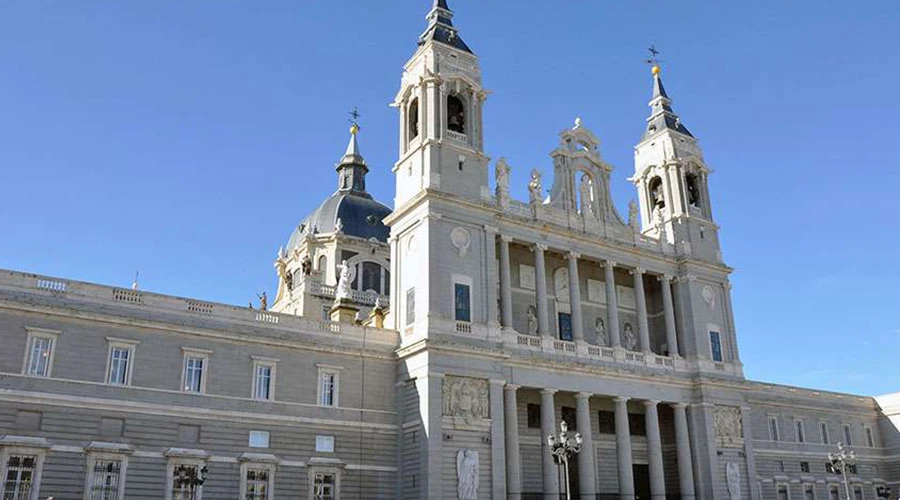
(578,122)
(354,120)
(654,61)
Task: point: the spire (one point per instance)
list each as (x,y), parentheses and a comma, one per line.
(352,168)
(662,116)
(440,28)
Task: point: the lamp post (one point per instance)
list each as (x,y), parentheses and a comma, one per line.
(883,492)
(840,462)
(189,477)
(564,446)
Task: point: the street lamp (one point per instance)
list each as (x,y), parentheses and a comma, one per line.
(564,446)
(189,477)
(840,462)
(883,492)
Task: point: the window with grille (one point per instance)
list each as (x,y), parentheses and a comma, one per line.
(186,482)
(257,484)
(39,355)
(20,472)
(105,478)
(193,374)
(325,486)
(119,360)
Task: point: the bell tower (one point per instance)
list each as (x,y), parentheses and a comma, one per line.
(672,180)
(440,103)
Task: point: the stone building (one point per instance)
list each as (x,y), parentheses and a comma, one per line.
(426,352)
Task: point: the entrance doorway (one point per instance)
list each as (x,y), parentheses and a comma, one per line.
(641,481)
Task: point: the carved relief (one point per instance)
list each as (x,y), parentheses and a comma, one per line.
(462,240)
(729,426)
(709,296)
(466,398)
(467,465)
(733,479)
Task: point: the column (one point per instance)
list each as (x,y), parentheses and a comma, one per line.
(491,309)
(513,460)
(587,471)
(729,320)
(654,451)
(669,315)
(612,305)
(623,450)
(498,441)
(575,298)
(505,283)
(540,284)
(548,427)
(641,303)
(683,450)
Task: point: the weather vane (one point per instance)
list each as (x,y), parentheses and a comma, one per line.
(354,118)
(654,59)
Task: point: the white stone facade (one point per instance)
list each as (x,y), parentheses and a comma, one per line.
(483,323)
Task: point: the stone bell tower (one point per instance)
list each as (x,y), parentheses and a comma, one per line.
(671,176)
(440,103)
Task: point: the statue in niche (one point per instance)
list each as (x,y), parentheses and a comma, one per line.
(657,196)
(306,265)
(630,339)
(465,398)
(693,192)
(587,196)
(467,465)
(501,171)
(600,329)
(633,214)
(343,287)
(535,187)
(532,320)
(733,478)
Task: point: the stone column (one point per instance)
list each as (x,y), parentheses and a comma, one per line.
(548,427)
(612,305)
(587,471)
(498,441)
(683,450)
(575,298)
(513,459)
(640,300)
(623,450)
(669,314)
(654,451)
(491,311)
(505,283)
(540,284)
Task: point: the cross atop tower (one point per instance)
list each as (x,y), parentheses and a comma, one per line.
(654,60)
(354,120)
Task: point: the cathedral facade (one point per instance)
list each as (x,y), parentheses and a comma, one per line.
(428,351)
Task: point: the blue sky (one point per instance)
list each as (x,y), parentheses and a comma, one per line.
(187,139)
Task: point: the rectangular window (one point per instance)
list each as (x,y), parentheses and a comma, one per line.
(534,416)
(783,492)
(39,357)
(773,428)
(637,424)
(848,438)
(715,344)
(565,327)
(804,466)
(329,380)
(20,474)
(834,492)
(801,435)
(870,438)
(193,374)
(106,480)
(257,483)
(259,439)
(462,302)
(607,421)
(184,479)
(824,430)
(857,493)
(809,493)
(120,363)
(325,444)
(263,379)
(411,306)
(325,486)
(569,416)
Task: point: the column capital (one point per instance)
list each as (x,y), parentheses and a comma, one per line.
(548,392)
(609,263)
(497,381)
(505,238)
(573,255)
(637,270)
(650,402)
(512,387)
(583,395)
(621,399)
(679,406)
(491,229)
(540,246)
(664,277)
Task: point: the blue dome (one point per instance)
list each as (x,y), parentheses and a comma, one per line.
(360,215)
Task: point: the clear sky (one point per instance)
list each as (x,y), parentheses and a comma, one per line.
(187,139)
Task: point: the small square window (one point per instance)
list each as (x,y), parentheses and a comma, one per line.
(534,416)
(325,444)
(637,424)
(607,421)
(259,439)
(804,466)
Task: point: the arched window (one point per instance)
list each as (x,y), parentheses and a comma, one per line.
(657,199)
(323,264)
(413,118)
(371,277)
(456,114)
(693,189)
